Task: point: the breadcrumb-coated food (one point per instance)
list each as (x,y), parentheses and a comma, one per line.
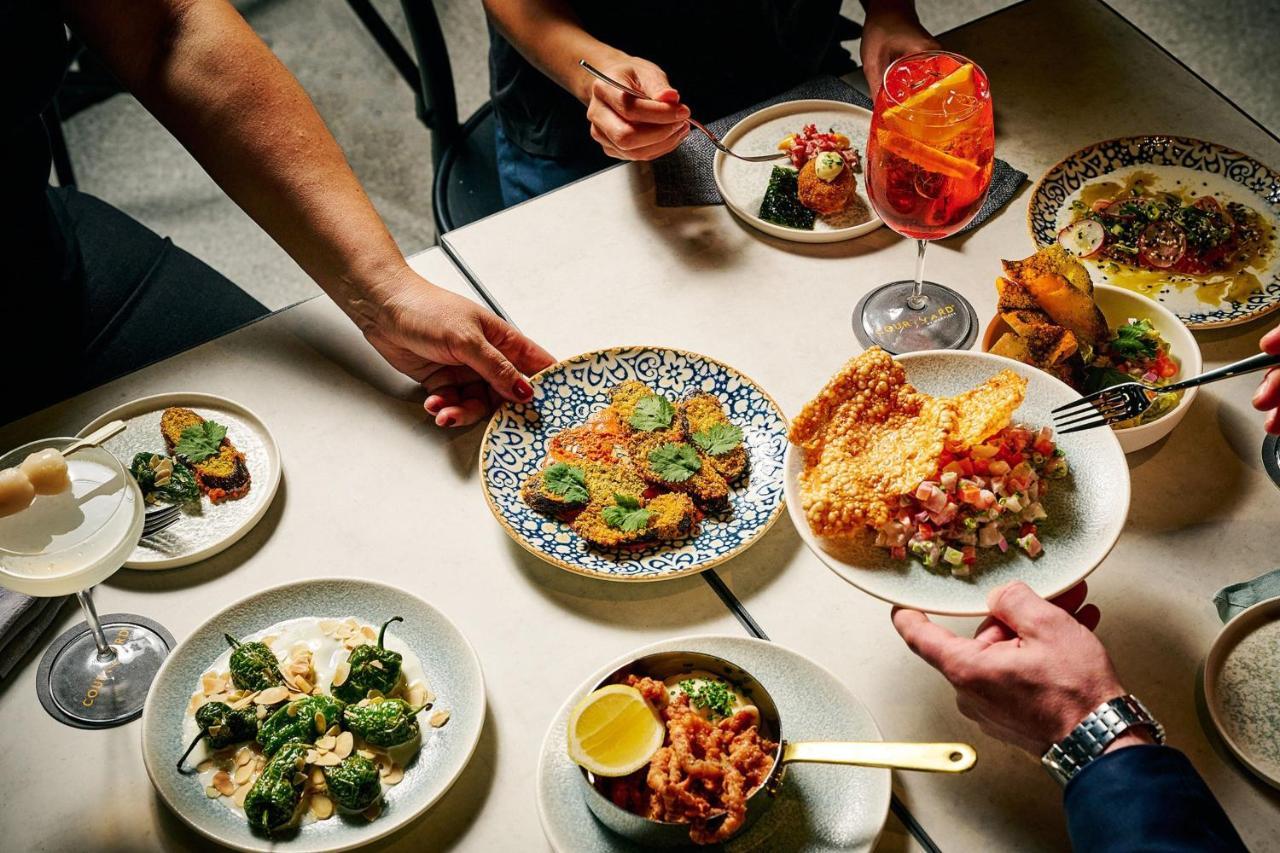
(605,481)
(824,197)
(221,477)
(674,516)
(1050,259)
(702,412)
(535,493)
(708,489)
(624,396)
(591,526)
(175,421)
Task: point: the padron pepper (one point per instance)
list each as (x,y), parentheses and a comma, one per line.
(273,800)
(383,722)
(223,726)
(253,665)
(355,783)
(370,668)
(302,720)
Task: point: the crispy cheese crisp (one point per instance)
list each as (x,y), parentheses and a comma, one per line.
(983,411)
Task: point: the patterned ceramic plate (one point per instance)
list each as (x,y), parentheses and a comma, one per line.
(1241,672)
(822,808)
(204,529)
(1086,510)
(1177,164)
(449,663)
(565,394)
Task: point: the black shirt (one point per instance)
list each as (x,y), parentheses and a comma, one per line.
(721,55)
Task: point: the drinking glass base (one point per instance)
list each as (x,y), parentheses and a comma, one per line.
(885,318)
(79,689)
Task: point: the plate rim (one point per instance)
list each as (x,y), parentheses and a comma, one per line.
(1235,630)
(148,403)
(1194,141)
(394,825)
(783,232)
(839,568)
(695,569)
(565,707)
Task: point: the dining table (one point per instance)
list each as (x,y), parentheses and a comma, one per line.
(372,489)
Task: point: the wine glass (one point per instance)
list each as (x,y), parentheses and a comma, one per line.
(97,675)
(930,155)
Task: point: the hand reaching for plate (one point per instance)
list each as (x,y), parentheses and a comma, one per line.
(891,30)
(629,128)
(1032,671)
(1267,399)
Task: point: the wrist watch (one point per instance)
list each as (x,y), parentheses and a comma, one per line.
(1095,733)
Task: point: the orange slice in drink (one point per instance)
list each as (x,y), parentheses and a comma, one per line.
(926,156)
(933,98)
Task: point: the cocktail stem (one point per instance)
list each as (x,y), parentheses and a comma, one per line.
(917,300)
(105,652)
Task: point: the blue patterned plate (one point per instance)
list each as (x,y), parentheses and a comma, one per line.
(565,394)
(1203,168)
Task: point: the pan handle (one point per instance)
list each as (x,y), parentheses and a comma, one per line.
(931,757)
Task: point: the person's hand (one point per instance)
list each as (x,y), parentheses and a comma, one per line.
(467,357)
(890,32)
(627,127)
(1267,399)
(1032,671)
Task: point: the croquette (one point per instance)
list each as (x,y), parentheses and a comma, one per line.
(825,197)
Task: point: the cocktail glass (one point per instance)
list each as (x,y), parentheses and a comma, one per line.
(65,544)
(930,156)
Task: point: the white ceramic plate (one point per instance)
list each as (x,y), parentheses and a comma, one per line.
(1086,510)
(821,808)
(742,185)
(452,672)
(212,528)
(1241,673)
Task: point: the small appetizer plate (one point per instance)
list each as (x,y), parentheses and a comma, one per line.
(1177,163)
(1118,306)
(206,528)
(742,185)
(565,394)
(452,672)
(1086,510)
(1241,672)
(820,808)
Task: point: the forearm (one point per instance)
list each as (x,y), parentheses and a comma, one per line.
(549,35)
(203,72)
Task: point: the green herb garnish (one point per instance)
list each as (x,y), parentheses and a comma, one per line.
(718,439)
(200,441)
(711,695)
(675,462)
(652,413)
(176,482)
(1138,339)
(626,514)
(567,481)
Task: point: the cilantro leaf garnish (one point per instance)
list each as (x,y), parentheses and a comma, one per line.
(718,438)
(675,462)
(712,695)
(652,413)
(200,441)
(626,514)
(567,481)
(1138,339)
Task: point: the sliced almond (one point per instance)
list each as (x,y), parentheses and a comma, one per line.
(368,631)
(439,718)
(366,753)
(321,806)
(313,756)
(243,772)
(262,712)
(394,775)
(241,793)
(292,709)
(341,673)
(325,742)
(243,756)
(376,664)
(346,742)
(205,766)
(212,792)
(259,764)
(317,778)
(328,759)
(301,683)
(243,702)
(210,683)
(272,695)
(222,781)
(417,695)
(334,730)
(214,731)
(321,723)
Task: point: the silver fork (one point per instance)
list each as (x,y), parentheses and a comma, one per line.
(605,78)
(1130,399)
(157,520)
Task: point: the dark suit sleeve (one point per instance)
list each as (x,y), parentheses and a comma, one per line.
(1145,798)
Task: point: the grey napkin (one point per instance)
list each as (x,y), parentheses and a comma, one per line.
(23,619)
(1230,600)
(684,177)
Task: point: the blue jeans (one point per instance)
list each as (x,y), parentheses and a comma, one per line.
(523,175)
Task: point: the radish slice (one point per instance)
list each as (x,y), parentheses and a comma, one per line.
(1084,239)
(1162,245)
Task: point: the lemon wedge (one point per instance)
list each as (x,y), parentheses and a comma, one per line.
(613,731)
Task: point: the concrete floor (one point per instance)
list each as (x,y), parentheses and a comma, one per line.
(124,156)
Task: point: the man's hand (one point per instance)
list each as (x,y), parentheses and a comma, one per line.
(1032,671)
(1267,399)
(891,30)
(627,127)
(467,357)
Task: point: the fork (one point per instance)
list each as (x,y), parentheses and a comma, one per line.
(720,146)
(157,520)
(1130,399)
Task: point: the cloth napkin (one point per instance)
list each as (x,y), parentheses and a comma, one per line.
(23,620)
(1230,600)
(684,177)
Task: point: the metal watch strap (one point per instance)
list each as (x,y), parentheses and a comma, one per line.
(1095,733)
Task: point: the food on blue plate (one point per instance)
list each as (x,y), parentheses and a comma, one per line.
(937,479)
(821,184)
(643,469)
(276,746)
(203,446)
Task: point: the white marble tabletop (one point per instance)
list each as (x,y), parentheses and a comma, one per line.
(598,264)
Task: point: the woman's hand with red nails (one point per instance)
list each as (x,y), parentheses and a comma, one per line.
(1267,398)
(631,128)
(468,358)
(1032,671)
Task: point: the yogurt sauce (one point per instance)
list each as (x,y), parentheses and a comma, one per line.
(738,701)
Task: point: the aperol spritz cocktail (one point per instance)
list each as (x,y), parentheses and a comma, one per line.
(930,155)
